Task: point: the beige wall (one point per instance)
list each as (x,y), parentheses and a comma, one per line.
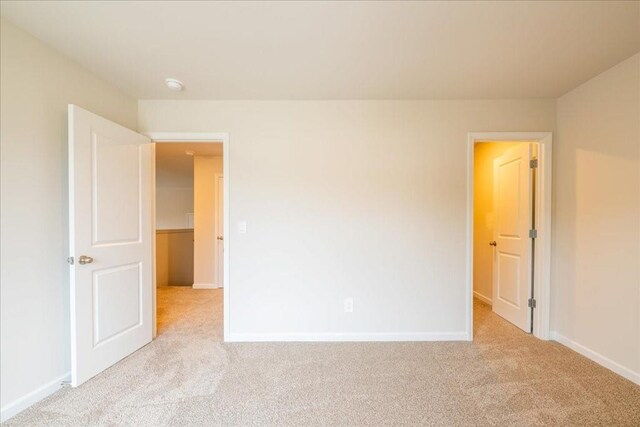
(174,189)
(172,206)
(162,259)
(596,260)
(174,257)
(484,155)
(205,169)
(37,83)
(361,199)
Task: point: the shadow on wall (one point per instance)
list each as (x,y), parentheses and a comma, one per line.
(596,240)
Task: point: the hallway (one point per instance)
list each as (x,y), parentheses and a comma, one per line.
(183,310)
(187,376)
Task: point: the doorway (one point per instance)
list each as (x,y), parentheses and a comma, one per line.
(509,225)
(504,216)
(200,161)
(189,230)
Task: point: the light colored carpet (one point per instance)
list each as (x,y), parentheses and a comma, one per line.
(187,377)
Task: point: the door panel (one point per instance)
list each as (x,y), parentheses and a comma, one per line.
(110,180)
(118,288)
(508,206)
(512,253)
(115,191)
(509,278)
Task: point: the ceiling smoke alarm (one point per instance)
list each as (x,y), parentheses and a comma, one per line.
(174,84)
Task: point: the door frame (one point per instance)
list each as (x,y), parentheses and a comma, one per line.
(199,137)
(542,251)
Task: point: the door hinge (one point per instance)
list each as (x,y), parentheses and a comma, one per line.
(531,303)
(533,233)
(70,260)
(533,163)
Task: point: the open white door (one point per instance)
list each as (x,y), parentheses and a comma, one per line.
(110,204)
(513,204)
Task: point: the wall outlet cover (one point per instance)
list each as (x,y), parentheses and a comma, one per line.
(348,305)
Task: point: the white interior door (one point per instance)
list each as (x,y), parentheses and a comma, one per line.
(111,242)
(220,230)
(512,246)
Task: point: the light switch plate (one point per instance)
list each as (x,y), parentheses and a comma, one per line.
(242,227)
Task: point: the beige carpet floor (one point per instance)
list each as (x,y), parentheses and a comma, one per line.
(187,377)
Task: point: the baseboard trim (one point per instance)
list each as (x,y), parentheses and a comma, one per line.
(342,337)
(483,298)
(22,403)
(597,357)
(205,286)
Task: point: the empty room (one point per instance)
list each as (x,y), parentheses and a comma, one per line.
(319,213)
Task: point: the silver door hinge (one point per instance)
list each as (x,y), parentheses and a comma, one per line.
(533,233)
(70,260)
(531,303)
(533,163)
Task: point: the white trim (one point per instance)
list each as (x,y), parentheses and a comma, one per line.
(542,264)
(483,298)
(22,403)
(204,137)
(188,137)
(154,279)
(226,173)
(349,336)
(205,286)
(597,357)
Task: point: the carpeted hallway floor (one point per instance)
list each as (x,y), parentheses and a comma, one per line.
(187,377)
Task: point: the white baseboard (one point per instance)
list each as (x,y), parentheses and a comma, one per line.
(597,357)
(33,397)
(334,337)
(482,298)
(205,286)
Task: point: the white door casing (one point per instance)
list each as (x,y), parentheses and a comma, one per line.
(512,251)
(110,210)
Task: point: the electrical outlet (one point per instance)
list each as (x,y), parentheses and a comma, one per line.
(348,305)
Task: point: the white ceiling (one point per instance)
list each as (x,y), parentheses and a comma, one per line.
(338,50)
(174,168)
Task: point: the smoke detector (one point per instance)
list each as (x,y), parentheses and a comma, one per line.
(174,84)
